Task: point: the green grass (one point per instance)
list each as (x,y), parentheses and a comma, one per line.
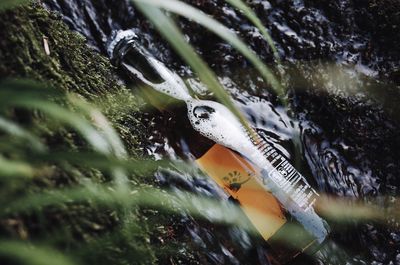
(27,160)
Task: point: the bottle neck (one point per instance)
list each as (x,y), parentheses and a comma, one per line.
(137,65)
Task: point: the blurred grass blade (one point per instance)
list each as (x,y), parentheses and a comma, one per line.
(12,89)
(240,5)
(28,254)
(213,25)
(8,4)
(94,138)
(29,94)
(207,208)
(102,162)
(15,169)
(169,30)
(102,123)
(349,210)
(38,201)
(15,130)
(109,133)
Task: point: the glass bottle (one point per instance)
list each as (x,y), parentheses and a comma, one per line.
(274,196)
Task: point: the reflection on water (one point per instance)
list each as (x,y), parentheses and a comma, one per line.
(343,128)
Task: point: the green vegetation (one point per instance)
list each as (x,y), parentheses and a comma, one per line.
(53,140)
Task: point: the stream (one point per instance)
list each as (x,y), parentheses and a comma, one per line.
(336,64)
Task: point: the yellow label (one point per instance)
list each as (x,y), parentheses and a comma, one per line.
(238,178)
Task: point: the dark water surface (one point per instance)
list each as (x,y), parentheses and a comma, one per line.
(341,63)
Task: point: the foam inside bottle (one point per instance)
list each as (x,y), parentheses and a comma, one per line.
(172,84)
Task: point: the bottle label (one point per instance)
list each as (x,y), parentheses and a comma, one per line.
(240,180)
(286,177)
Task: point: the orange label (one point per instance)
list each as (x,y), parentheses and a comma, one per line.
(239,178)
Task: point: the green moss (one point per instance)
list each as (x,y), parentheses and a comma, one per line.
(71,66)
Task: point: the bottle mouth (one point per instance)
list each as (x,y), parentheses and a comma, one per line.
(117,37)
(125,49)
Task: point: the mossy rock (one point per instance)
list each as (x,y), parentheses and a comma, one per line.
(70,66)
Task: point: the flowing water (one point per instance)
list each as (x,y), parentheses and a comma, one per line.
(342,133)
